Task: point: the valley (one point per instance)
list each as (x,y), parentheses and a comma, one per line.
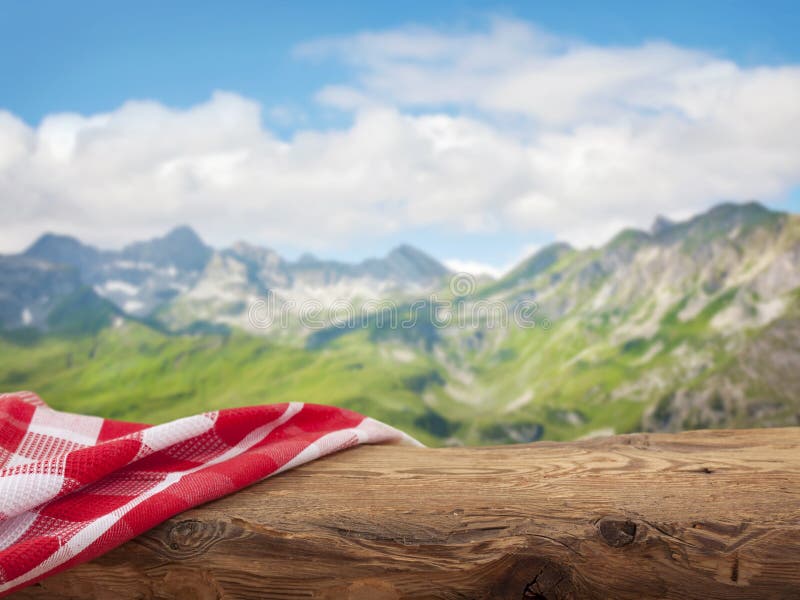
(691,324)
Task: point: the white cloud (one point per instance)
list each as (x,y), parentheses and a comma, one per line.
(474,267)
(508,128)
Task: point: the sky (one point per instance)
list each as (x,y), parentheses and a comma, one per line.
(476,131)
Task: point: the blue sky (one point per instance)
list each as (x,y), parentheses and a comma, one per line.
(91,58)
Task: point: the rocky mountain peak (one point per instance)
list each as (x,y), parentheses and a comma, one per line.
(538,262)
(181,248)
(726,218)
(414,263)
(307,259)
(660,225)
(63,249)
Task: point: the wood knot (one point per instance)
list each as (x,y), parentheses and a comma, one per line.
(617,533)
(185,534)
(190,537)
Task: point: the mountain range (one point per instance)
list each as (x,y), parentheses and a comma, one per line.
(689,324)
(177,280)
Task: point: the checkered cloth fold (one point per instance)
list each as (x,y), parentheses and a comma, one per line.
(74,486)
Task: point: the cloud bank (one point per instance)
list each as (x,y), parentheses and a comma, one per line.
(504,129)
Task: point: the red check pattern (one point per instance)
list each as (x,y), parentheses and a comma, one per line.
(74,486)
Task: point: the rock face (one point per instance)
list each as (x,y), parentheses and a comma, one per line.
(694,323)
(141,277)
(760,384)
(237,277)
(31,288)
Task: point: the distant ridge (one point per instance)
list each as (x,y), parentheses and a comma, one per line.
(183,279)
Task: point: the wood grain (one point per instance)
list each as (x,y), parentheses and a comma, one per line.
(712,514)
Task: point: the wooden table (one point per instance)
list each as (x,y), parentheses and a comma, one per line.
(706,514)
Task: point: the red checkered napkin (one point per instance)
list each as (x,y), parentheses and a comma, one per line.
(74,486)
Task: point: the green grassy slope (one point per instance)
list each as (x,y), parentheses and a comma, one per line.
(136,373)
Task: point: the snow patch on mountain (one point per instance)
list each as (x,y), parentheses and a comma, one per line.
(117,286)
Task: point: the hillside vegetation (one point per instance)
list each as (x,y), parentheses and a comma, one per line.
(692,324)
